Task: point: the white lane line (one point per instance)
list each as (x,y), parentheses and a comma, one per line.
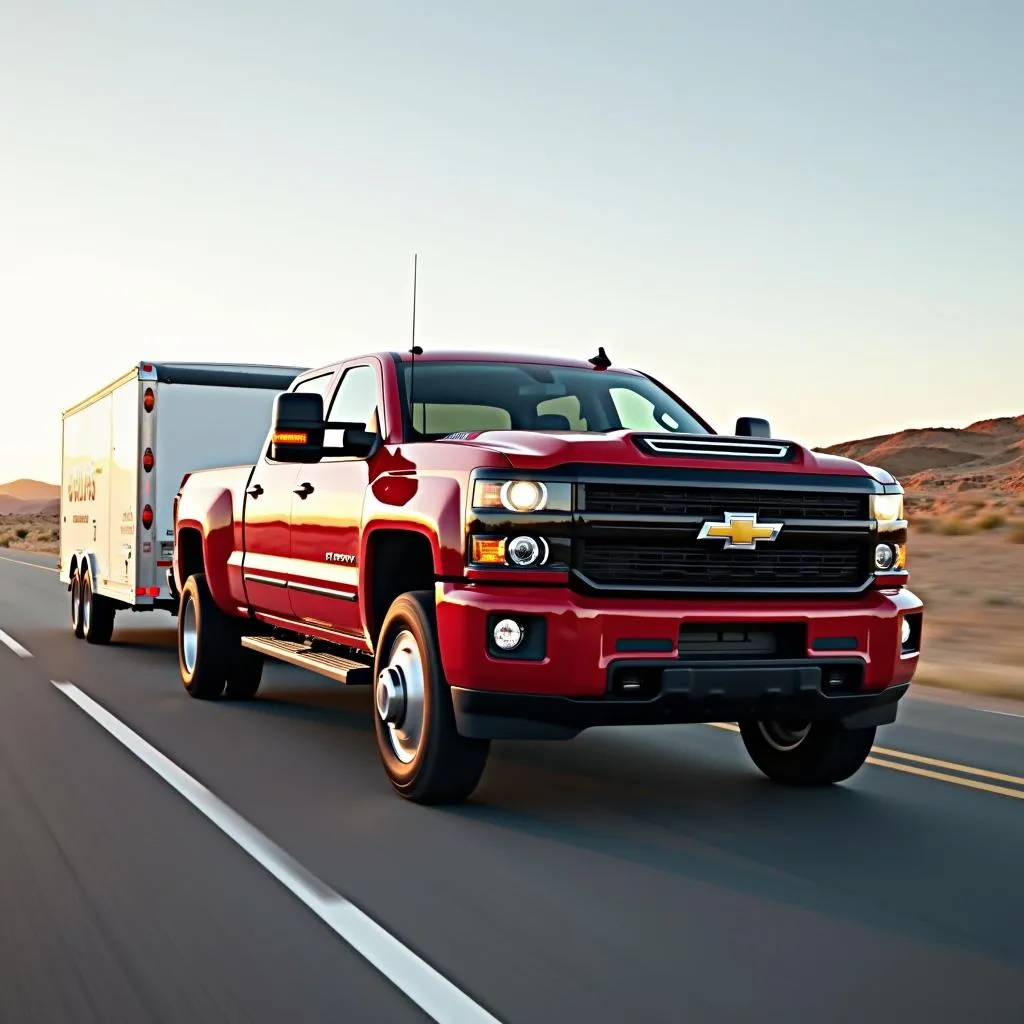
(31,565)
(9,641)
(431,991)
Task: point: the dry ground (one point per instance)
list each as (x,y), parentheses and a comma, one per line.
(966,564)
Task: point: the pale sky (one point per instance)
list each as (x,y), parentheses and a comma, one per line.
(807,211)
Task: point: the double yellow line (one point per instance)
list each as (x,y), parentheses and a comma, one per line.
(899,761)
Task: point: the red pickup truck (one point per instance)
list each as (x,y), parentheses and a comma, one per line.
(510,546)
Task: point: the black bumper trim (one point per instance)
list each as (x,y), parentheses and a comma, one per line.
(689,694)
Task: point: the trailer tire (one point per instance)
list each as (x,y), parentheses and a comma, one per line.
(820,753)
(206,639)
(425,757)
(97,613)
(76,604)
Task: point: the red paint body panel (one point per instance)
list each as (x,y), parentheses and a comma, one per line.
(582,633)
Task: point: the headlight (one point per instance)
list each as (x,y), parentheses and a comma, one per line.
(511,495)
(887,508)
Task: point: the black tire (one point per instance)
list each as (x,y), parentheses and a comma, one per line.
(445,767)
(75,593)
(97,613)
(207,640)
(245,670)
(828,753)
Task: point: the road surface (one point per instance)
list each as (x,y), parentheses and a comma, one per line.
(166,859)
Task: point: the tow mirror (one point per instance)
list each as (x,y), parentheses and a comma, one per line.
(298,427)
(751,426)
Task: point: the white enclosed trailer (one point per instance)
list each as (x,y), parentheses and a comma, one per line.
(125,450)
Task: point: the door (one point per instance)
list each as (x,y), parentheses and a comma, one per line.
(327,514)
(267,563)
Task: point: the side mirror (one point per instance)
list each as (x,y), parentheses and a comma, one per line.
(356,441)
(298,427)
(751,426)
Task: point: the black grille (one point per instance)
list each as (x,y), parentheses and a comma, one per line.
(655,499)
(680,562)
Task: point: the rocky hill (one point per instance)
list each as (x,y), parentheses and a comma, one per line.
(986,458)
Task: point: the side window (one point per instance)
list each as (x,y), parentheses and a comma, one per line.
(355,401)
(637,413)
(318,385)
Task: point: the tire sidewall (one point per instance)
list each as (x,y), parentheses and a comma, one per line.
(189,595)
(76,590)
(409,613)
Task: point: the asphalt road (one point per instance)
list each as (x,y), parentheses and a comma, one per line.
(644,875)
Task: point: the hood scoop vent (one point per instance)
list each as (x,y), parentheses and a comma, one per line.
(689,446)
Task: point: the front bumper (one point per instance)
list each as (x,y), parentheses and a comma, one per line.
(597,661)
(685,695)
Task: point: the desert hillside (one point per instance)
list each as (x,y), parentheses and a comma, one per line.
(29,497)
(946,466)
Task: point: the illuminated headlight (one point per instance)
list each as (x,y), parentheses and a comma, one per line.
(508,634)
(511,495)
(885,557)
(887,508)
(905,633)
(526,551)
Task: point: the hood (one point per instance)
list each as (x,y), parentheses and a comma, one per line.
(536,450)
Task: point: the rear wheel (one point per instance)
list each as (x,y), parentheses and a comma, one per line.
(207,639)
(97,613)
(76,604)
(803,753)
(426,758)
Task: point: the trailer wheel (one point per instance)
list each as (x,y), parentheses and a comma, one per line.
(97,613)
(206,639)
(76,604)
(426,758)
(806,753)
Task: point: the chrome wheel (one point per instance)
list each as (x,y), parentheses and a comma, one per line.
(189,636)
(86,605)
(398,696)
(784,736)
(76,600)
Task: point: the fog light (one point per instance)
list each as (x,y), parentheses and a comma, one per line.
(508,634)
(905,633)
(526,551)
(884,557)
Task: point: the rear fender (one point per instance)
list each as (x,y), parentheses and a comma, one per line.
(211,512)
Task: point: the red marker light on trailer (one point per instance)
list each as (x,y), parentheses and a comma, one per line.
(147,516)
(148,399)
(148,459)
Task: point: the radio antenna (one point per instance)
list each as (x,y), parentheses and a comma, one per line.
(415,350)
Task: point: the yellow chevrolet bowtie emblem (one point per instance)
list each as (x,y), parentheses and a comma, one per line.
(740,530)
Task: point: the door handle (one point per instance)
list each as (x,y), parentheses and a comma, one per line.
(256,491)
(304,491)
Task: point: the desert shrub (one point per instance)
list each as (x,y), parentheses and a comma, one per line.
(5,542)
(925,524)
(21,533)
(956,527)
(992,521)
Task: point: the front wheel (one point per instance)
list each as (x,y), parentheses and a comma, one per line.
(806,753)
(206,640)
(426,758)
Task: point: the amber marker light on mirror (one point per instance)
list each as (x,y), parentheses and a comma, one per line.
(291,437)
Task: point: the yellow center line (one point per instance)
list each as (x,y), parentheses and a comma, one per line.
(912,769)
(955,779)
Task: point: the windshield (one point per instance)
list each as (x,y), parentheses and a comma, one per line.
(451,398)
